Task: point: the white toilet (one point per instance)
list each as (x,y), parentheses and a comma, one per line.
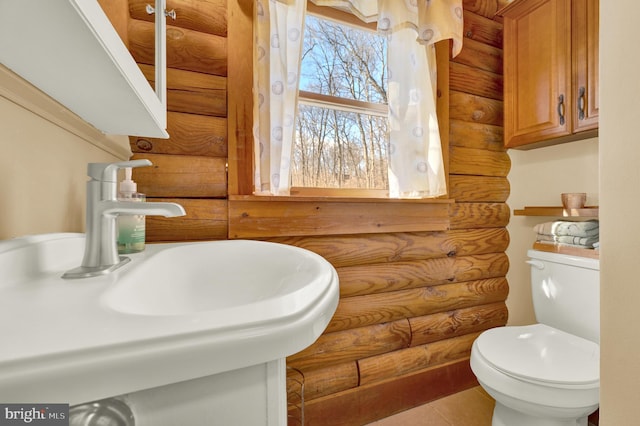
(547,374)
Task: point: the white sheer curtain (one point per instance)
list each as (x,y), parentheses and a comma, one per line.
(416,168)
(279,28)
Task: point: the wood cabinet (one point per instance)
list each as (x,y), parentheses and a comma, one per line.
(585,27)
(550,71)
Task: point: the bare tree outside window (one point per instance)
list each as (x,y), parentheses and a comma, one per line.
(341,135)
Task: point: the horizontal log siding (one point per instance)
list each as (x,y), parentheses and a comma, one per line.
(482,28)
(394,276)
(349,250)
(480,110)
(432,328)
(190,167)
(443,287)
(182,176)
(206,219)
(379,399)
(381,367)
(202,16)
(190,134)
(411,302)
(193,92)
(186,49)
(373,309)
(258,218)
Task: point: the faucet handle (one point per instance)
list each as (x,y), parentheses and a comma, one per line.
(108,172)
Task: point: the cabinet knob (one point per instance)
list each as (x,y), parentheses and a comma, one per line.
(561,109)
(581,103)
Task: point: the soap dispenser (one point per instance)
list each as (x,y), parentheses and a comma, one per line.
(131,228)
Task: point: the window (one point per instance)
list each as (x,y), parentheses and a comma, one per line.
(341,133)
(344,85)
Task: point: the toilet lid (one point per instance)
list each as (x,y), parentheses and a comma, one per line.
(541,353)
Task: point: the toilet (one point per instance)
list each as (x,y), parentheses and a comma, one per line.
(547,374)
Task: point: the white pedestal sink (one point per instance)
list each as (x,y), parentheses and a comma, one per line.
(200,329)
(249,396)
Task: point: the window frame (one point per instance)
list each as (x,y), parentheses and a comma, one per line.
(240,107)
(327,101)
(340,104)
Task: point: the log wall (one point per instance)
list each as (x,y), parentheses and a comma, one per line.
(412,301)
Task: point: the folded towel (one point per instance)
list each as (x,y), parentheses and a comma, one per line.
(589,228)
(567,239)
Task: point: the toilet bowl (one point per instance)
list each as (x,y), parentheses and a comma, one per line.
(541,374)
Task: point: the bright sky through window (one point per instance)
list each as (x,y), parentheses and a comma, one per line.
(341,136)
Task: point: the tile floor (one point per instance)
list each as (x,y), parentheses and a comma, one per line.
(472,407)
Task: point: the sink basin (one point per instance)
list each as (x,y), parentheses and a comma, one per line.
(176,312)
(236,277)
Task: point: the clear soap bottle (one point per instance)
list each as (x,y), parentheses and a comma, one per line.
(131,228)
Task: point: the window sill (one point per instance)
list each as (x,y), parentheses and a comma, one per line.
(252,216)
(340,199)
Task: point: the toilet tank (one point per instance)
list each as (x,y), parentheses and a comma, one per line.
(566,292)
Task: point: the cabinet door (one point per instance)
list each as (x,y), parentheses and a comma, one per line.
(71,51)
(537,71)
(585,64)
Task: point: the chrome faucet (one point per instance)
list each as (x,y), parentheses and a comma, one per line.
(101,249)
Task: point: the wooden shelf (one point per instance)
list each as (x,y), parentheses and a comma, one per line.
(566,249)
(589,211)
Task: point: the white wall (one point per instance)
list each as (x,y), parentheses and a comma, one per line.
(43,163)
(619,213)
(537,178)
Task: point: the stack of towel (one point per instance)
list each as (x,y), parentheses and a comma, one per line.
(576,234)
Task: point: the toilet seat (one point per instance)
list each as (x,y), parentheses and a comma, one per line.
(541,354)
